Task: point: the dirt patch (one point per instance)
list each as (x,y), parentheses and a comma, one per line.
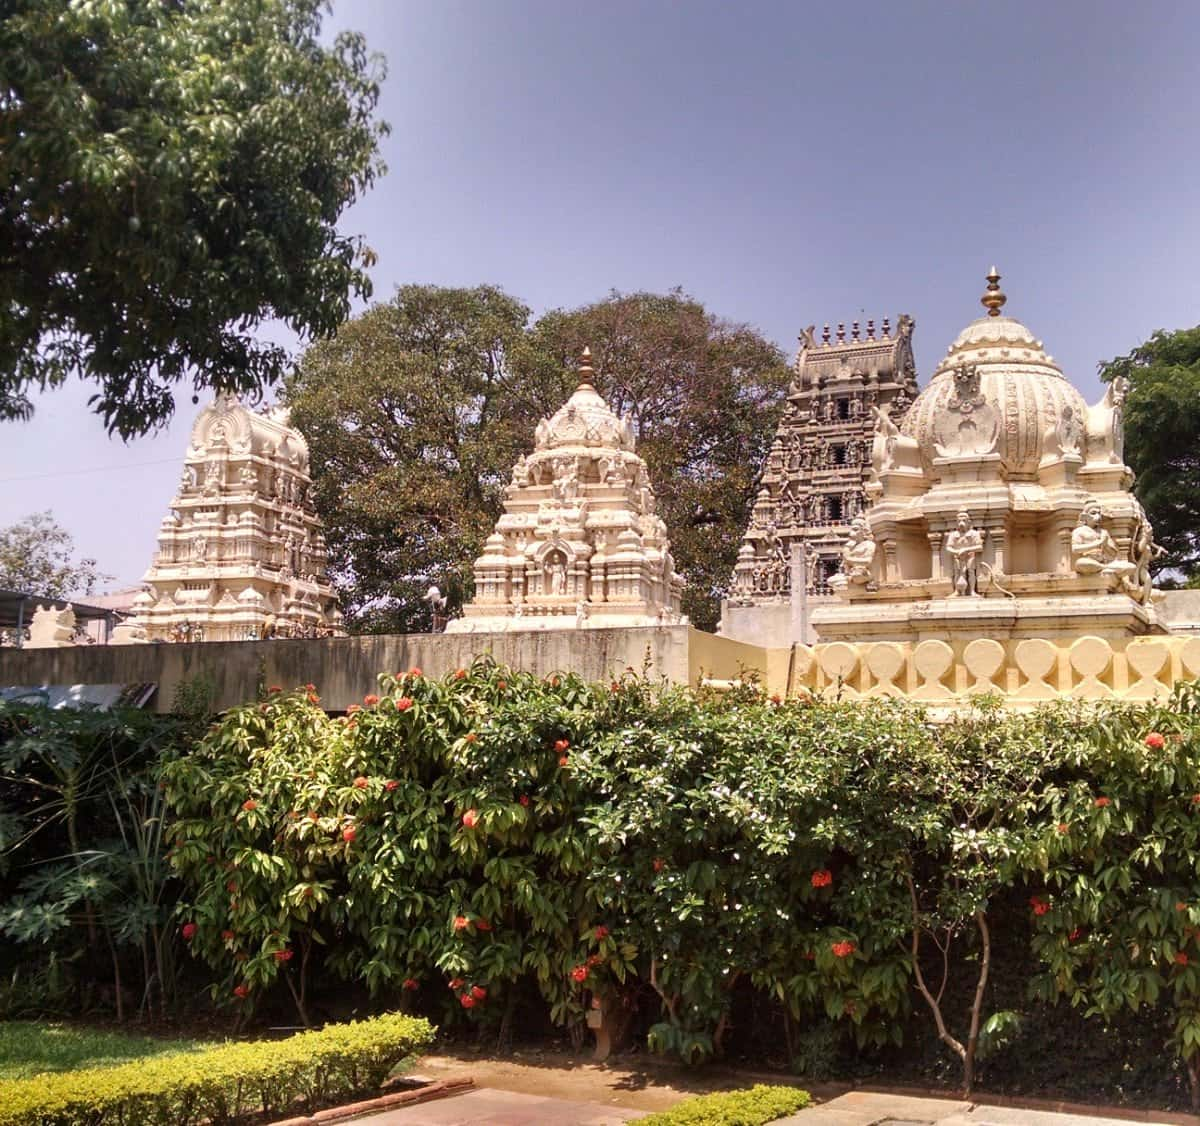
(631,1082)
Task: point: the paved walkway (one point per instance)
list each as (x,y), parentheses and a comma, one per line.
(869,1108)
(487,1106)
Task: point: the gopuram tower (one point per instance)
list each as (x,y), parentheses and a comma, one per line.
(241,554)
(814,481)
(579,544)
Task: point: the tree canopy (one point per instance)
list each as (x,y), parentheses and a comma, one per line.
(417,410)
(37,556)
(172,175)
(1162,439)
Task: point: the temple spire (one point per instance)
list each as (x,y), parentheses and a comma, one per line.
(993,300)
(586,374)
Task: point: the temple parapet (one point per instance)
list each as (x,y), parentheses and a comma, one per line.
(1022,674)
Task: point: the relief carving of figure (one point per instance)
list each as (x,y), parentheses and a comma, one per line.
(212,477)
(558,576)
(520,473)
(967,424)
(858,554)
(1063,435)
(963,545)
(883,444)
(1093,550)
(1143,551)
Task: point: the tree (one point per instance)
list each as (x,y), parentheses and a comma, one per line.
(1162,439)
(172,175)
(704,394)
(37,557)
(414,418)
(417,411)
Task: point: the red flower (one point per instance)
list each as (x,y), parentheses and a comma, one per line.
(1196,799)
(231,886)
(776,699)
(822,878)
(554,682)
(561,745)
(501,685)
(467,1001)
(188,930)
(461,922)
(614,687)
(411,983)
(478,992)
(227,936)
(313,698)
(455,983)
(471,818)
(524,799)
(249,804)
(310,688)
(843,949)
(1074,935)
(659,863)
(1064,827)
(563,760)
(403,704)
(1040,906)
(595,960)
(414,671)
(580,973)
(470,737)
(371,700)
(348,834)
(391,784)
(482,925)
(274,688)
(1181,959)
(308,893)
(352,709)
(1155,741)
(241,991)
(460,674)
(284,955)
(361,782)
(1100,803)
(601,931)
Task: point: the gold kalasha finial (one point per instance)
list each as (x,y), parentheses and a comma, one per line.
(993,300)
(585,367)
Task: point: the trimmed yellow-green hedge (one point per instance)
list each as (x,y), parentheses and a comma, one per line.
(752,1107)
(220,1084)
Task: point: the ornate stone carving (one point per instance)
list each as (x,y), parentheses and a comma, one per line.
(579,544)
(815,475)
(968,424)
(963,545)
(244,548)
(858,555)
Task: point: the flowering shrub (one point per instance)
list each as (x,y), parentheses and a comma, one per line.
(471,835)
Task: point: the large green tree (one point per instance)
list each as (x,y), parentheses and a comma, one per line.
(416,412)
(172,174)
(1162,439)
(37,556)
(704,394)
(414,418)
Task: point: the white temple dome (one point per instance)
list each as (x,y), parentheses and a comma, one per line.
(998,375)
(585,419)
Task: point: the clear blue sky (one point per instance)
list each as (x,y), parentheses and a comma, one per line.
(786,163)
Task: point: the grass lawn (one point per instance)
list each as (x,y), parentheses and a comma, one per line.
(31,1046)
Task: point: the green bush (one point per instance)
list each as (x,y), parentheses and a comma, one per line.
(219,1085)
(752,1107)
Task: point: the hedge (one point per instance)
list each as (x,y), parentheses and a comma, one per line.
(752,1107)
(222,1084)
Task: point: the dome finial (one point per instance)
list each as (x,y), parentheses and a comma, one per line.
(585,367)
(993,300)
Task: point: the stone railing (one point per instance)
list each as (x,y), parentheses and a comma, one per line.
(1023,673)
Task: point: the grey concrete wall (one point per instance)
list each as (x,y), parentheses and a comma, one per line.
(1180,609)
(344,669)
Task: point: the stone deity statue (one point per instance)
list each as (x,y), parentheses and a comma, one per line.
(558,577)
(963,545)
(858,555)
(1093,550)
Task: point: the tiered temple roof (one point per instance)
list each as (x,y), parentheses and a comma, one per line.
(241,553)
(813,484)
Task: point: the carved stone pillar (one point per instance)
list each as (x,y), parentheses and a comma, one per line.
(999,537)
(937,568)
(891,571)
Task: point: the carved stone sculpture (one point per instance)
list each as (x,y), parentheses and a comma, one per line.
(963,544)
(1093,550)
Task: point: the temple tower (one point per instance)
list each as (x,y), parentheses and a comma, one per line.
(813,485)
(241,553)
(579,544)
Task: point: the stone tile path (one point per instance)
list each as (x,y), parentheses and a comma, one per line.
(487,1106)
